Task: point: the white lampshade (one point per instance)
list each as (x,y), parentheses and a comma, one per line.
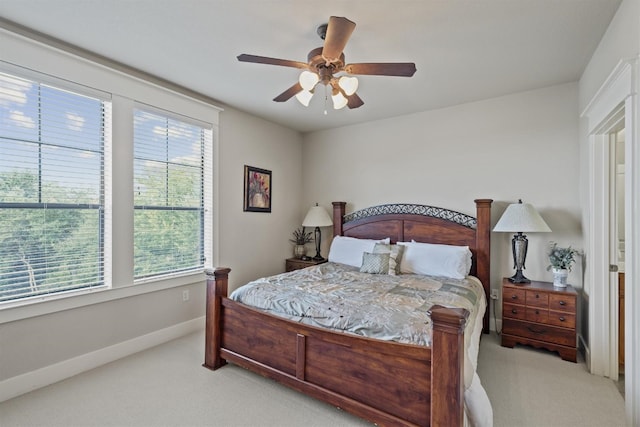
(348,84)
(317,217)
(304,97)
(308,80)
(521,217)
(339,101)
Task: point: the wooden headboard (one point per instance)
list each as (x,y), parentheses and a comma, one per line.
(429,224)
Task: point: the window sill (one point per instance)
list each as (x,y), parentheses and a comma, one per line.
(51,304)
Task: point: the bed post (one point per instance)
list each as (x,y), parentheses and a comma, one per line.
(217,285)
(447,366)
(338,214)
(483,252)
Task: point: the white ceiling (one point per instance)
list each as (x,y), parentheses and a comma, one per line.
(464,50)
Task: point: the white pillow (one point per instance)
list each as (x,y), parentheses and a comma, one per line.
(349,250)
(436,260)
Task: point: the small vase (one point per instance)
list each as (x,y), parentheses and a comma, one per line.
(560,277)
(257,201)
(299,251)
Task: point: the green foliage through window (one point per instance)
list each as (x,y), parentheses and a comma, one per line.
(168,195)
(51,189)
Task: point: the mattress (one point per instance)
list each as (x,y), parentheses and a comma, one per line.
(339,297)
(393,308)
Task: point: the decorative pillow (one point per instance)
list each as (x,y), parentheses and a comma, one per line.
(436,260)
(375,263)
(395,255)
(349,250)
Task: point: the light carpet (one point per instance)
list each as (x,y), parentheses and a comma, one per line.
(167,386)
(530,387)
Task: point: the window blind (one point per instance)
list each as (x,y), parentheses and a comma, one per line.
(169,199)
(52,150)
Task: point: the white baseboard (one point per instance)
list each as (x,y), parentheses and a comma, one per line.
(582,346)
(42,377)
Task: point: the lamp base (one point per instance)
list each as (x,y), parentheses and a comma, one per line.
(519,278)
(318,238)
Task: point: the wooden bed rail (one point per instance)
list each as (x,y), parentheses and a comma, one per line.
(442,364)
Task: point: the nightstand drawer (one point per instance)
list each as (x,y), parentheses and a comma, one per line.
(539,332)
(538,315)
(296,264)
(516,296)
(513,311)
(564,320)
(537,298)
(562,303)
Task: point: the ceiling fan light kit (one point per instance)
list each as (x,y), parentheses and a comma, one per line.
(348,84)
(308,80)
(323,65)
(339,101)
(304,97)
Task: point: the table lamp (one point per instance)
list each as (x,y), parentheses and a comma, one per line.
(317,217)
(520,218)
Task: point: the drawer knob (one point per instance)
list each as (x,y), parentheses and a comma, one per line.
(537,295)
(561,318)
(562,303)
(514,296)
(537,312)
(514,311)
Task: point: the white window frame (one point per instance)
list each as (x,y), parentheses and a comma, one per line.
(127,87)
(58,84)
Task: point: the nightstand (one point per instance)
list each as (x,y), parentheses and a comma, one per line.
(296,264)
(540,315)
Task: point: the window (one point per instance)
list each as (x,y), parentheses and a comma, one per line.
(52,195)
(169,193)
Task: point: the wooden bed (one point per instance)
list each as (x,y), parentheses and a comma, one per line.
(385,382)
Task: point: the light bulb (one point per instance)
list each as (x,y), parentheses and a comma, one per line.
(339,101)
(304,97)
(308,80)
(348,84)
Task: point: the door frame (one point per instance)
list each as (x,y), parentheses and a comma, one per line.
(620,90)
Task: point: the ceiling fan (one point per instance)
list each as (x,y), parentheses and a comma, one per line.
(324,63)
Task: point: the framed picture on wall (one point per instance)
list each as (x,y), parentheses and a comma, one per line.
(257,189)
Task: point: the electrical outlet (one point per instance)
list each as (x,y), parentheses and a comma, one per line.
(494,294)
(185,295)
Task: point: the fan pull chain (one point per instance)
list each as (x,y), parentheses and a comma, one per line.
(326,97)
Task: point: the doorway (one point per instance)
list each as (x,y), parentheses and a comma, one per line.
(616,100)
(617,252)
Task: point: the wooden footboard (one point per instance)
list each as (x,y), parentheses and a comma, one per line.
(385,382)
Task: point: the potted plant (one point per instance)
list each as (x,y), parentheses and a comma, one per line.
(300,238)
(560,261)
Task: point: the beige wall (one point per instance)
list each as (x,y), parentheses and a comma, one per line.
(620,41)
(518,146)
(256,244)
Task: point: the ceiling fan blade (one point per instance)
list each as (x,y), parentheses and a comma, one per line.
(289,93)
(354,101)
(339,30)
(272,61)
(400,69)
